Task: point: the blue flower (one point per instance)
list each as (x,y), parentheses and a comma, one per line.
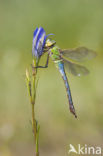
(39,40)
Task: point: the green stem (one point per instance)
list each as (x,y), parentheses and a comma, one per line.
(37,141)
(32,94)
(35,131)
(34,122)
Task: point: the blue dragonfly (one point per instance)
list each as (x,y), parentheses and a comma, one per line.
(64,59)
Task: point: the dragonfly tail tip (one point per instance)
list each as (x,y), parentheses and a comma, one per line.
(73,112)
(75,116)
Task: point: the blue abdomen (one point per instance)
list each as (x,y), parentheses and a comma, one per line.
(62,71)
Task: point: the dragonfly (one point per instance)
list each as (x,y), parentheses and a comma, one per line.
(67,59)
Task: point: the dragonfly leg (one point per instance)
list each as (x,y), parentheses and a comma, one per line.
(46,65)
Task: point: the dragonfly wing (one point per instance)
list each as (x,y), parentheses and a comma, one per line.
(75,69)
(78,54)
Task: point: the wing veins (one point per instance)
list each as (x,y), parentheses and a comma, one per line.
(78,54)
(75,69)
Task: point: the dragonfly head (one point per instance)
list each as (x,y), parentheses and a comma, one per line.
(49,43)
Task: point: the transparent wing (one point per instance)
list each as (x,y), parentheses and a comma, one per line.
(75,69)
(78,54)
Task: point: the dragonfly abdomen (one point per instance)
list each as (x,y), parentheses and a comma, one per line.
(62,71)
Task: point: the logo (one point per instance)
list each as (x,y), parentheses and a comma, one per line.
(85,150)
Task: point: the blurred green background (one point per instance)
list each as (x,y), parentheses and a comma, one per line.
(74,23)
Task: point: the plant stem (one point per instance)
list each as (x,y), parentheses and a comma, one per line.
(35,131)
(34,122)
(32,94)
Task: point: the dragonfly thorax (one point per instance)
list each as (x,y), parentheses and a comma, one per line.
(55,54)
